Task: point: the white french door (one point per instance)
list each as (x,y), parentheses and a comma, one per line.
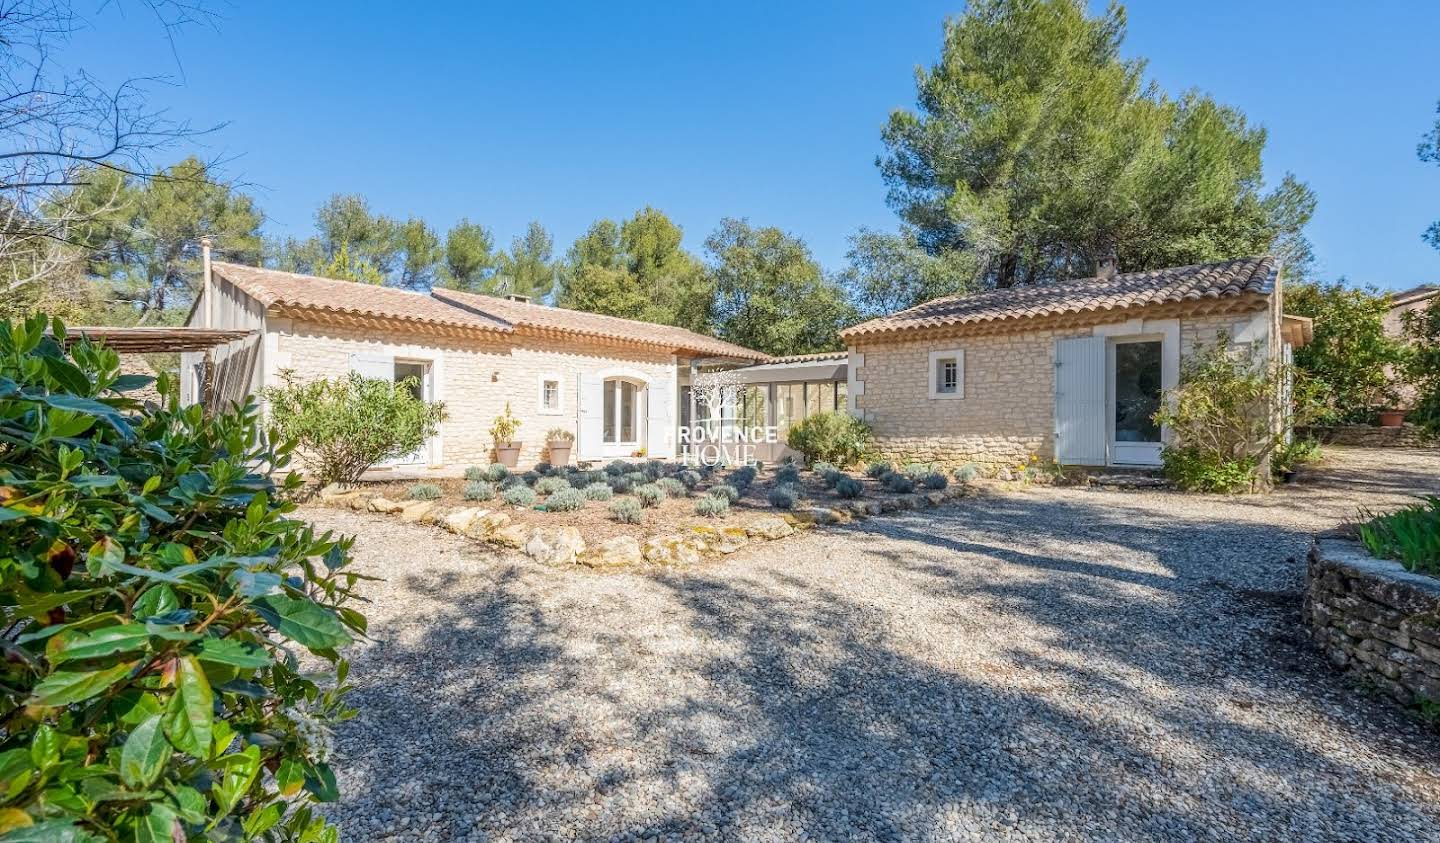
(1135,379)
(622,416)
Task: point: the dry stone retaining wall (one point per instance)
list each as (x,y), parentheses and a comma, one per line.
(1374,619)
(1369,436)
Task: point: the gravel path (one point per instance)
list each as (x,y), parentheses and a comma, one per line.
(1055,664)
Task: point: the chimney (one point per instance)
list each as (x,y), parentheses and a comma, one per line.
(207,281)
(1106,266)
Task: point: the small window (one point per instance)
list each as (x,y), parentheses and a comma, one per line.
(550,394)
(947,374)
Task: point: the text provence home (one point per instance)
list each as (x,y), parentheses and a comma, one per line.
(726,444)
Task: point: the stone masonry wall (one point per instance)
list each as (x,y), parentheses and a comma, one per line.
(1374,619)
(1369,436)
(1008,412)
(475,378)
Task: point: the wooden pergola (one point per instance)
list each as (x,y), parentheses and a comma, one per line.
(146,340)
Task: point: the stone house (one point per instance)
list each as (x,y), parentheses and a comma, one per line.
(616,384)
(1412,300)
(1068,371)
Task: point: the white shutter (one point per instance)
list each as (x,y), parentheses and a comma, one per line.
(660,420)
(1080,401)
(373,366)
(589,443)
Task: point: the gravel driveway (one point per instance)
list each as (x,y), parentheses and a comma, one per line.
(1052,664)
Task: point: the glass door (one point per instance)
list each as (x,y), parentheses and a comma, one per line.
(417,376)
(1135,398)
(621,423)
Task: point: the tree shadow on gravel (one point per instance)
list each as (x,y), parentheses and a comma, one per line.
(1012,666)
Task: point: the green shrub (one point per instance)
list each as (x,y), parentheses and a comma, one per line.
(620,485)
(835,437)
(935,480)
(967,472)
(544,469)
(1291,455)
(876,469)
(479,490)
(788,473)
(783,497)
(1223,419)
(823,467)
(496,472)
(475,472)
(1410,535)
(626,511)
(424,492)
(617,467)
(917,471)
(519,495)
(649,494)
(599,491)
(636,478)
(900,484)
(1199,470)
(1422,366)
(1351,354)
(726,491)
(156,595)
(690,478)
(530,478)
(832,477)
(551,485)
(345,426)
(712,506)
(673,487)
(565,500)
(849,487)
(743,476)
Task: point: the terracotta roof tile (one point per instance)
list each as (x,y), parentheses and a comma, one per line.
(580,323)
(1126,290)
(289,290)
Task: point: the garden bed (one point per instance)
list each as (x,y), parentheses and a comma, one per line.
(628,522)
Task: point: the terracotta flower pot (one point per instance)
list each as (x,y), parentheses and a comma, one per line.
(559,451)
(1392,418)
(507,453)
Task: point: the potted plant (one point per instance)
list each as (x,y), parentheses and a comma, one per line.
(507,450)
(1392,418)
(559,441)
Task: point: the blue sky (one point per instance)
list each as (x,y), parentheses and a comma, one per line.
(565,112)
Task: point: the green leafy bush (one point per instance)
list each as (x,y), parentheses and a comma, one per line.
(155,595)
(475,472)
(724,490)
(345,426)
(712,506)
(649,494)
(783,497)
(878,468)
(1291,455)
(551,485)
(617,467)
(917,471)
(626,511)
(823,467)
(479,490)
(834,437)
(1351,355)
(1410,535)
(1422,330)
(673,487)
(599,491)
(849,487)
(935,480)
(519,495)
(565,500)
(496,472)
(1224,419)
(424,492)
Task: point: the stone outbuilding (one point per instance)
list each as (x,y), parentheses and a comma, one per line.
(1070,371)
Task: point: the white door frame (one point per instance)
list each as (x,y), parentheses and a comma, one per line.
(425,454)
(640,409)
(1167,333)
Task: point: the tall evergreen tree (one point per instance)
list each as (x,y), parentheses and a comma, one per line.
(890,272)
(1429,151)
(420,254)
(528,268)
(469,258)
(770,294)
(1037,149)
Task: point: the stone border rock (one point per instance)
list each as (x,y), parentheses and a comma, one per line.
(560,545)
(1374,619)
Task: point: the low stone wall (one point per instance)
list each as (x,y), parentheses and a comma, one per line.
(1369,436)
(1374,619)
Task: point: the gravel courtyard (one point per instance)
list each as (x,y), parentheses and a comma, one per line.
(1048,664)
